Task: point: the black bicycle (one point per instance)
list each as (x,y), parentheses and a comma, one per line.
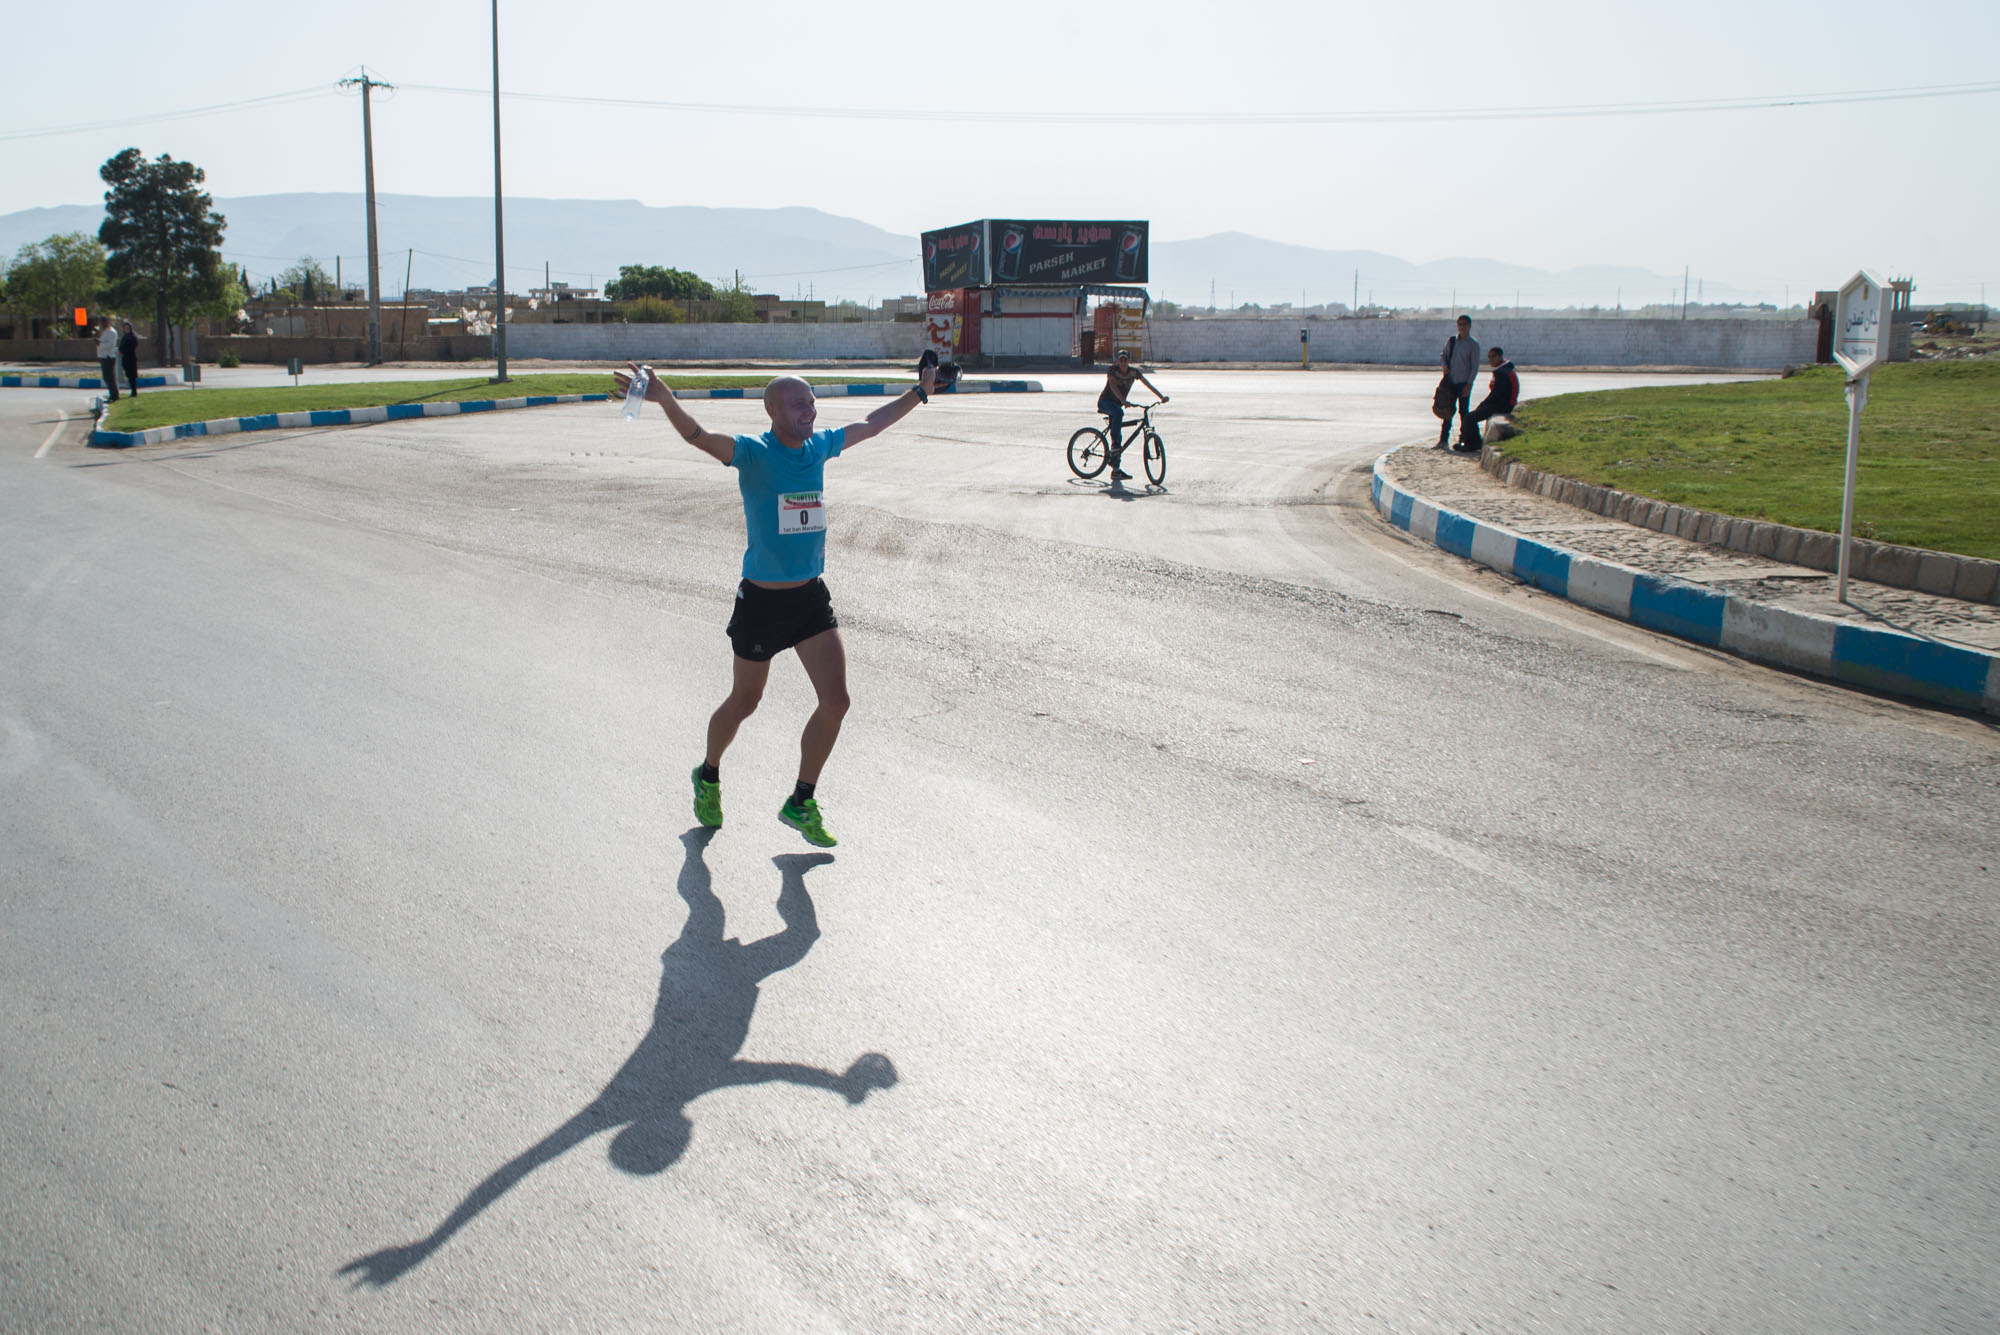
(1090,447)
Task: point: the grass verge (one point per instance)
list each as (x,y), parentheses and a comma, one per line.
(172,407)
(1929,465)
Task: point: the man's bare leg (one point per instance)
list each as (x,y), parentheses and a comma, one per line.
(825,662)
(745,691)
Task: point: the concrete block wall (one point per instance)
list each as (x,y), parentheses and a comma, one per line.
(1729,344)
(1734,344)
(83,351)
(875,341)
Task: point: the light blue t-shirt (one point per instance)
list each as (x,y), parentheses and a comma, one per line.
(784,510)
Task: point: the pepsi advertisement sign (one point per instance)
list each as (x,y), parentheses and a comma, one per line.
(1065,254)
(955,257)
(1028,253)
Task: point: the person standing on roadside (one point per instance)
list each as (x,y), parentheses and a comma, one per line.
(1460,360)
(128,354)
(107,357)
(781,603)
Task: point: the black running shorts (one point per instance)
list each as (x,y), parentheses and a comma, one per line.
(767,622)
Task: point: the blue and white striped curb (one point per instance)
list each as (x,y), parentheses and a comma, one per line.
(1882,660)
(159,381)
(396,412)
(392,412)
(879,390)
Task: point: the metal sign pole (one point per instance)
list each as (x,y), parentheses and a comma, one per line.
(1862,323)
(1857,398)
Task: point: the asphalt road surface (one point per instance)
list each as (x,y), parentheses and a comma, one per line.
(1244,918)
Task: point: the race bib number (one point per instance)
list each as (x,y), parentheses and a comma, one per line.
(801,512)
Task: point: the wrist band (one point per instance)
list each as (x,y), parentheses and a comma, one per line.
(921,396)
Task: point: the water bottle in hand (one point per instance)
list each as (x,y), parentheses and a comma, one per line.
(635,394)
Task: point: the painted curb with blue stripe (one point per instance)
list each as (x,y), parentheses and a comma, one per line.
(396,412)
(12,381)
(1843,651)
(229,426)
(874,390)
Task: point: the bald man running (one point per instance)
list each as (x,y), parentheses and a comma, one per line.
(782,602)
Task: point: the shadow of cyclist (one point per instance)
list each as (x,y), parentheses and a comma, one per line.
(708,989)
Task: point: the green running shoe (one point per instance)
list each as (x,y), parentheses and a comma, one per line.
(707,801)
(805,819)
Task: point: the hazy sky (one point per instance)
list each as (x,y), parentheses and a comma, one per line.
(999,110)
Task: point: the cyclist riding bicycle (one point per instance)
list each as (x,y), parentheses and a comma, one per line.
(1112,402)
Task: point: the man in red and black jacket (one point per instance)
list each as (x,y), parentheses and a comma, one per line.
(1503,391)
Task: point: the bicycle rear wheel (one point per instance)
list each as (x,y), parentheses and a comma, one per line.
(1156,459)
(1087,452)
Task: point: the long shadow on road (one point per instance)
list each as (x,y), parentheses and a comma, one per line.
(708,989)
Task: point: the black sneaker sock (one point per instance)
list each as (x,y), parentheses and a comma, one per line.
(802,794)
(710,773)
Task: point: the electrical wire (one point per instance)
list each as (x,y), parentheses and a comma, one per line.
(220,108)
(1089,116)
(1095,116)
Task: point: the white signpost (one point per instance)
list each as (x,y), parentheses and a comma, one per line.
(1861,325)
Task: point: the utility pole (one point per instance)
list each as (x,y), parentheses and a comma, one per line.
(1684,290)
(499,232)
(368,174)
(403,325)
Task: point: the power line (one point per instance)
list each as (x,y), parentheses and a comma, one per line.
(962,116)
(152,118)
(1359,117)
(846,268)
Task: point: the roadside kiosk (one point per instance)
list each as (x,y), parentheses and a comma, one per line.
(1022,290)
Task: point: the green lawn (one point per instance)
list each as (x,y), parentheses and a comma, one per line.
(172,407)
(1929,470)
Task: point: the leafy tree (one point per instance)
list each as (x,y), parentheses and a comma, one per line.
(228,301)
(650,280)
(310,280)
(163,238)
(739,305)
(653,310)
(55,276)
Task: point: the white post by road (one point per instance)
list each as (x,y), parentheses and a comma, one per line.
(1861,326)
(1857,396)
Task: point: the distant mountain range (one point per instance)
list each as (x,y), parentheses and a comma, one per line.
(448,243)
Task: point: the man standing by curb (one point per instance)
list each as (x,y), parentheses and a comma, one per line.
(1460,360)
(107,357)
(128,353)
(782,603)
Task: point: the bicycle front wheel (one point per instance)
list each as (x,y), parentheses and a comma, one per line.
(1087,451)
(1156,459)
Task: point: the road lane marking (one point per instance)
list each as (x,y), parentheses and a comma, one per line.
(62,420)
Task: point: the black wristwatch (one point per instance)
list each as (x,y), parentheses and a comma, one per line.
(921,396)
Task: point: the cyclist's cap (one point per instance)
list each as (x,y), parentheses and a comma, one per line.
(1124,355)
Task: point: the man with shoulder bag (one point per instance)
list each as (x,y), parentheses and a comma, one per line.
(1460,360)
